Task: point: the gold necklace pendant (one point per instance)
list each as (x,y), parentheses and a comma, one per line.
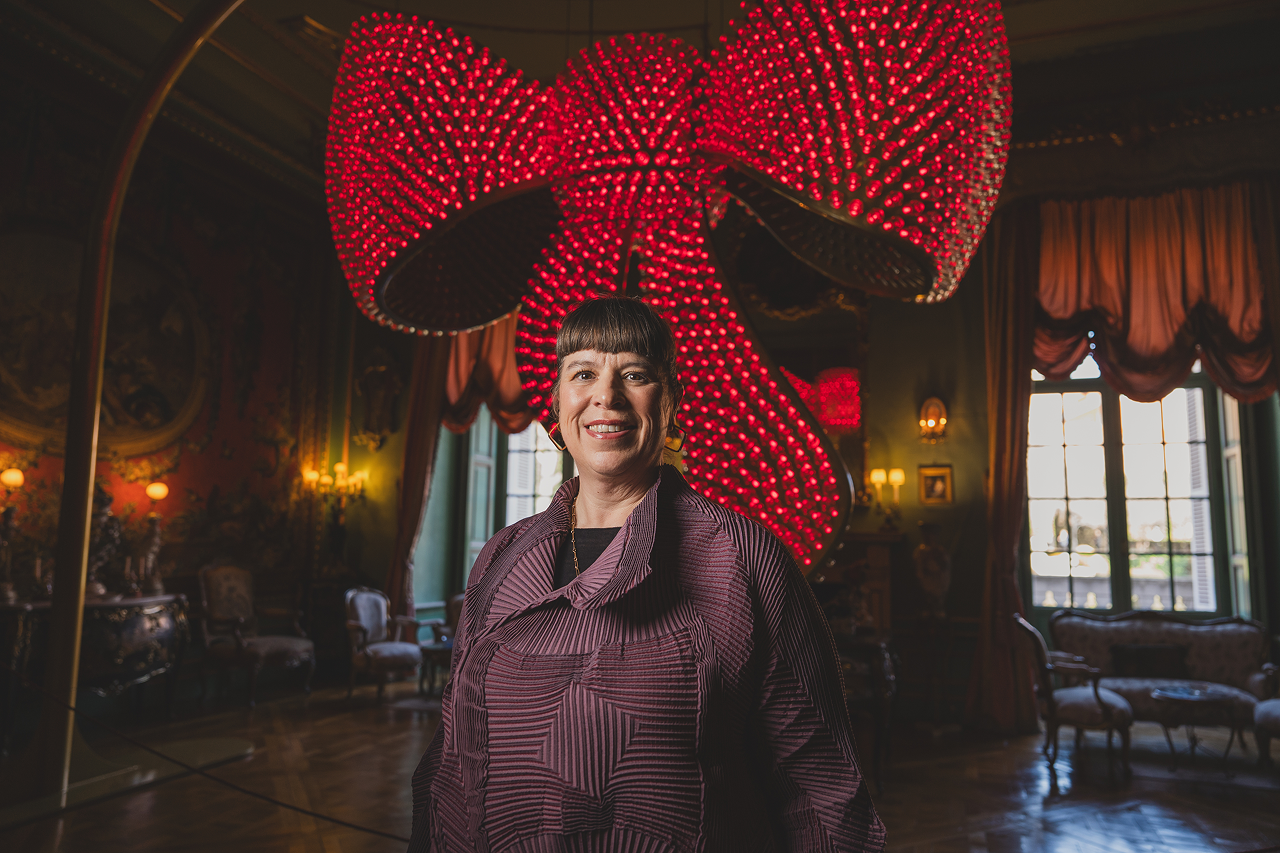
(573,539)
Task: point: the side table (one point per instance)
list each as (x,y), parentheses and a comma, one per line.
(1189,705)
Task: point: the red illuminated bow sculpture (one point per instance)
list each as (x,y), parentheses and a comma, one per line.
(869,139)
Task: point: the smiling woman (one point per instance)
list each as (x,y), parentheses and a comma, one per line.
(636,667)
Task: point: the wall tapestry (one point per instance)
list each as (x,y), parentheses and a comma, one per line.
(157,361)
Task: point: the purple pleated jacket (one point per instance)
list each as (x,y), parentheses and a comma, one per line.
(682,694)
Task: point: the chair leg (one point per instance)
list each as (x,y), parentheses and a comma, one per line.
(351,680)
(1079,738)
(1051,744)
(1110,751)
(308,670)
(382,685)
(1124,752)
(1264,747)
(253,684)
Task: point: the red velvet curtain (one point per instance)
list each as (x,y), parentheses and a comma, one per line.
(1001,697)
(482,369)
(1159,282)
(451,377)
(422,431)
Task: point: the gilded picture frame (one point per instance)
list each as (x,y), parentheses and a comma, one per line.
(935,485)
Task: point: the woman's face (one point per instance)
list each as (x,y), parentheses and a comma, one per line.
(611,414)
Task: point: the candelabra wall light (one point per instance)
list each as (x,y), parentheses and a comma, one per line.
(341,483)
(933,420)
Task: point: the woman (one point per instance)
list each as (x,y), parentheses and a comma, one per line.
(638,668)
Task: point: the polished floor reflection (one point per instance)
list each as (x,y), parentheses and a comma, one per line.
(954,795)
(945,794)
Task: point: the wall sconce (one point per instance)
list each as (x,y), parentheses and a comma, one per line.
(339,483)
(896,478)
(878,478)
(156,492)
(12,478)
(933,420)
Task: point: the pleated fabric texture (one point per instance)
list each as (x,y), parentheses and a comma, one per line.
(682,694)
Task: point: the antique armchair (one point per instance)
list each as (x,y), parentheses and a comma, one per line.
(379,642)
(1084,707)
(437,653)
(229,620)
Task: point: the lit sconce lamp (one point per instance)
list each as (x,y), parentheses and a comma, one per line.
(12,478)
(341,482)
(157,492)
(878,478)
(933,420)
(896,478)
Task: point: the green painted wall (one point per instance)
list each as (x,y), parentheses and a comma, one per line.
(917,351)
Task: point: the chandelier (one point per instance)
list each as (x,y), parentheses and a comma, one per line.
(868,138)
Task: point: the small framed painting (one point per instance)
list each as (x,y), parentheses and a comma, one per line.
(935,485)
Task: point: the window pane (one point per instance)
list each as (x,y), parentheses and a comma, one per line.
(1083,418)
(1140,423)
(519,473)
(1148,527)
(1189,527)
(1047,521)
(1045,476)
(1184,415)
(1089,527)
(481,497)
(1050,565)
(1188,470)
(1203,595)
(523,440)
(1044,426)
(1086,472)
(549,471)
(1149,578)
(1144,471)
(1091,580)
(519,507)
(1049,584)
(1088,369)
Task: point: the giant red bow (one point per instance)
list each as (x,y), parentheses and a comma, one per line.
(869,138)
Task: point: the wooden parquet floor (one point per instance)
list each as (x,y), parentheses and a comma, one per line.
(951,794)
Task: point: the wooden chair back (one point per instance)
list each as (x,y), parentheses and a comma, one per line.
(372,609)
(1044,672)
(226,598)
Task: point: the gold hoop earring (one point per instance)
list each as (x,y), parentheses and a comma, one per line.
(675,443)
(556,438)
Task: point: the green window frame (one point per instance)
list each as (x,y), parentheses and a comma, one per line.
(1173,550)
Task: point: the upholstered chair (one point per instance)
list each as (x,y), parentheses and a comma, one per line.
(437,652)
(1266,725)
(229,618)
(1083,707)
(380,643)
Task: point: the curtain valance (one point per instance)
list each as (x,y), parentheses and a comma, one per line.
(1151,284)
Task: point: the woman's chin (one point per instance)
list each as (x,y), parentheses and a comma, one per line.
(621,464)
